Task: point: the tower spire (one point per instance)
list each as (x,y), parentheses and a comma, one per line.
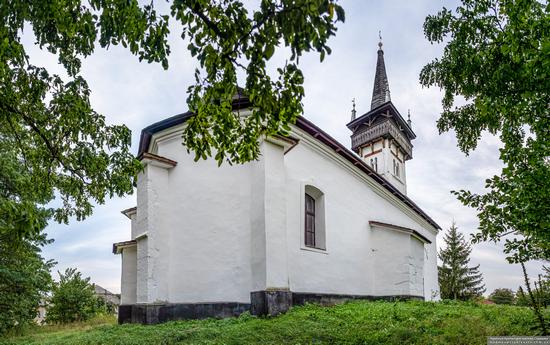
(381,90)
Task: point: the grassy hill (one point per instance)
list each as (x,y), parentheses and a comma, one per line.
(352,323)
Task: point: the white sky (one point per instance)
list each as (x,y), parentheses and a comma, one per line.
(138,94)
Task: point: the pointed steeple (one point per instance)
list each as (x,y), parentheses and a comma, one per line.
(381,90)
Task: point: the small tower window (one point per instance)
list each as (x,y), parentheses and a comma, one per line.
(395,168)
(374,163)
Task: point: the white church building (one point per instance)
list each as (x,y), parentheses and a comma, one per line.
(309,221)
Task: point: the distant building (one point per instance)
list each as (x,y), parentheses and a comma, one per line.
(310,221)
(107,296)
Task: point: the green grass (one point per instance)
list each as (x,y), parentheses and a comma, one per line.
(350,323)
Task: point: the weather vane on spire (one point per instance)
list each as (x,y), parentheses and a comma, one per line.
(380,36)
(353,111)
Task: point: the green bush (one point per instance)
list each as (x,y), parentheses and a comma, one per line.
(73,299)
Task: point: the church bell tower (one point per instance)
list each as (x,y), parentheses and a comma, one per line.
(381,136)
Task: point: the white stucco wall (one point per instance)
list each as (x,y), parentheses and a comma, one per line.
(268,219)
(416,265)
(206,244)
(129,276)
(142,271)
(431,281)
(348,265)
(214,234)
(391,263)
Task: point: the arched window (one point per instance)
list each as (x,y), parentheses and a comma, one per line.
(314,218)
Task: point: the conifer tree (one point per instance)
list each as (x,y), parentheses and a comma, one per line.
(456,279)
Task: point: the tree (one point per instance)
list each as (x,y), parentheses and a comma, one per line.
(456,279)
(69,149)
(24,279)
(502,296)
(497,57)
(73,299)
(24,274)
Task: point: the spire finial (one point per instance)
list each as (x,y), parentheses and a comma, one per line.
(409,122)
(353,111)
(381,90)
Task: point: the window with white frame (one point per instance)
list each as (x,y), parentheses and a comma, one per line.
(314,218)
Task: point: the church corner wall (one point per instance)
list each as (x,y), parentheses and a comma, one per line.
(128,287)
(431,285)
(153,238)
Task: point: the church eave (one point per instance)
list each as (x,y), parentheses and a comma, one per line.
(117,247)
(400,228)
(146,134)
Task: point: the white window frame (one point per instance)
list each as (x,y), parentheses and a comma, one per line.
(320,218)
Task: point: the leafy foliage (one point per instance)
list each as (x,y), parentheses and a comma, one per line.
(352,323)
(502,296)
(73,299)
(456,279)
(69,149)
(24,274)
(24,280)
(497,56)
(54,135)
(226,38)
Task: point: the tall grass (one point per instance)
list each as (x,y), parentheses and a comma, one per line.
(357,322)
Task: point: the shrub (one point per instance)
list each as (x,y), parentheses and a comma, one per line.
(502,296)
(73,299)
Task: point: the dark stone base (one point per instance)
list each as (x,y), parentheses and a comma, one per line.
(300,298)
(266,302)
(270,302)
(158,313)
